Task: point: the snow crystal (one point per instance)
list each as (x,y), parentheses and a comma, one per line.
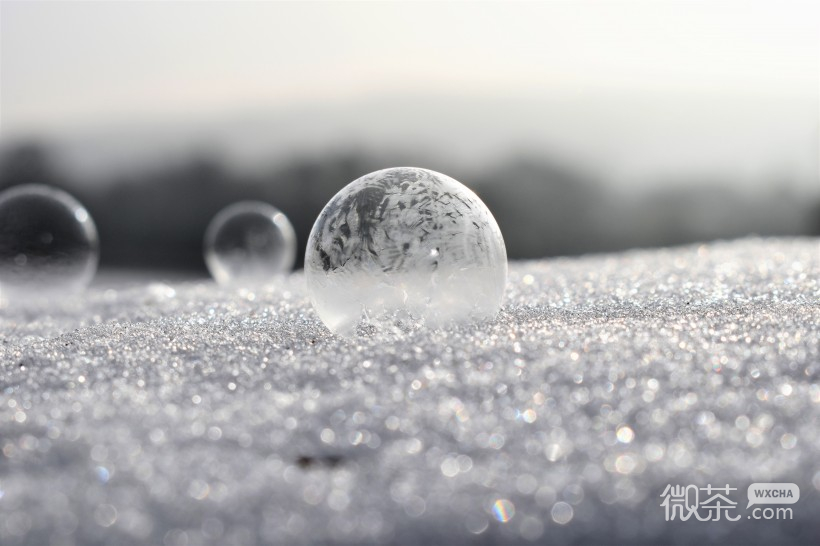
(184,413)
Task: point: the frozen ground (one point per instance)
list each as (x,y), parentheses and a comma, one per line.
(187,414)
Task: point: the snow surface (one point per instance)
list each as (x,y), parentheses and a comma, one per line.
(185,413)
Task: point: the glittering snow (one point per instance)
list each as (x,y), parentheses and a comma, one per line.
(185,413)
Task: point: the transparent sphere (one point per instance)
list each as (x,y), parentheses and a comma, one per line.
(48,243)
(405,247)
(249,243)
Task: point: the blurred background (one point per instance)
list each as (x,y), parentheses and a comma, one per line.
(585,126)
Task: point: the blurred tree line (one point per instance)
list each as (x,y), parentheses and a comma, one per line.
(156,217)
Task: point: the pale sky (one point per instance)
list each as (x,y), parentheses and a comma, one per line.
(78,63)
(741,75)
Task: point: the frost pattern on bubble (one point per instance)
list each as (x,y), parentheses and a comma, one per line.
(48,243)
(403,247)
(249,243)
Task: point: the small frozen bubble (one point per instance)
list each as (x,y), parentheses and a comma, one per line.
(48,243)
(403,247)
(249,243)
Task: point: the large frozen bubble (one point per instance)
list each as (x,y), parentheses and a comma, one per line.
(401,248)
